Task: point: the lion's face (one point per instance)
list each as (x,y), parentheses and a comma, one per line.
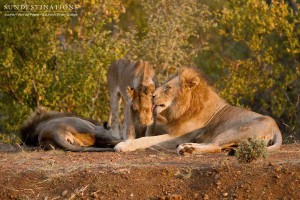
(141,105)
(177,95)
(165,96)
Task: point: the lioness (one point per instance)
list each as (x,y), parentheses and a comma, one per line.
(51,129)
(199,121)
(134,82)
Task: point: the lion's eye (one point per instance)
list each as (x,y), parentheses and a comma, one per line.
(167,88)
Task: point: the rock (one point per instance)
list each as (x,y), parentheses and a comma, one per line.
(217,176)
(205,197)
(95,195)
(278,169)
(277,176)
(64,193)
(225,194)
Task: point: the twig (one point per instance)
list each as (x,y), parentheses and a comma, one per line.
(81,190)
(36,93)
(12,91)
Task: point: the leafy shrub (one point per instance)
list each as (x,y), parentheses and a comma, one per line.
(9,138)
(57,62)
(170,37)
(250,150)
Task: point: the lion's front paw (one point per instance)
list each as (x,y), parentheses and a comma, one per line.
(183,149)
(125,146)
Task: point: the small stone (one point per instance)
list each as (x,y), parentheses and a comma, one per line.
(225,194)
(278,169)
(205,197)
(131,195)
(64,193)
(95,195)
(217,176)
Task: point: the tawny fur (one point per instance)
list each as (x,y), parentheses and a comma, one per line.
(132,82)
(199,121)
(51,129)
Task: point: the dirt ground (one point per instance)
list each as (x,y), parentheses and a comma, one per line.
(150,174)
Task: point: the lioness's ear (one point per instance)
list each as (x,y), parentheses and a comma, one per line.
(130,92)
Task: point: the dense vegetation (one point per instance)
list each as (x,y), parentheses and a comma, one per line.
(249,49)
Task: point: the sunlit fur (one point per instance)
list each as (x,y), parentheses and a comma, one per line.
(193,112)
(133,82)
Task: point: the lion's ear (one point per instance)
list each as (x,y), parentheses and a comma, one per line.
(190,83)
(130,92)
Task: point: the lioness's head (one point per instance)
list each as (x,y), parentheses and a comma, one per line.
(180,94)
(141,104)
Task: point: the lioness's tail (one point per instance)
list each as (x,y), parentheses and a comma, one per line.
(277,141)
(60,142)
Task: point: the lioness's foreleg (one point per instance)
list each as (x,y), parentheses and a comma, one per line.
(151,128)
(114,112)
(129,127)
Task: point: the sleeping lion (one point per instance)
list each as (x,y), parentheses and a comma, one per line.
(51,130)
(197,120)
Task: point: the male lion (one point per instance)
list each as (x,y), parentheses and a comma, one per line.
(134,82)
(50,129)
(199,121)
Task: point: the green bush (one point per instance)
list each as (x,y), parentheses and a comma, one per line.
(251,150)
(9,138)
(171,35)
(57,62)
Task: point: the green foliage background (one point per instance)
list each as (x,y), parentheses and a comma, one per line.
(249,50)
